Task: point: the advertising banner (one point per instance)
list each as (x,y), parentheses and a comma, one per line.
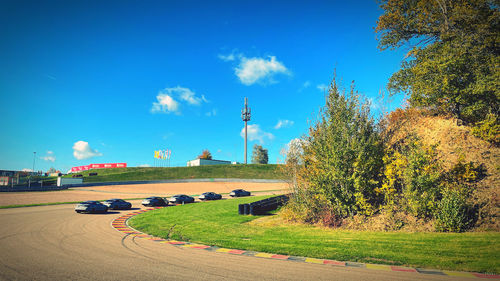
(80,168)
(98,166)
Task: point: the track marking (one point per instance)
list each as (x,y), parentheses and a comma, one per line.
(121,225)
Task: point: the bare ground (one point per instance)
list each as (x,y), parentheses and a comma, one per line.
(133,191)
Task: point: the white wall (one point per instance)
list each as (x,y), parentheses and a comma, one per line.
(68,181)
(202,162)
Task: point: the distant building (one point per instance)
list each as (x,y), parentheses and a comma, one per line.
(7,173)
(204,162)
(8,177)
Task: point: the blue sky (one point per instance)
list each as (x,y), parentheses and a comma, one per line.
(111,81)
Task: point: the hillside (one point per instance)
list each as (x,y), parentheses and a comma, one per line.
(454,142)
(254,171)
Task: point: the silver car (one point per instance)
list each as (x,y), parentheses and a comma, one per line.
(181,199)
(154,201)
(209,196)
(239,193)
(91,207)
(117,204)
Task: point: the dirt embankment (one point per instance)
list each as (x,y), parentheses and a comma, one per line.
(453,142)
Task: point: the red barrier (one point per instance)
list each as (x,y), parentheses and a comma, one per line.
(98,166)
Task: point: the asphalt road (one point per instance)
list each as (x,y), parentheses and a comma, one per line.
(55,243)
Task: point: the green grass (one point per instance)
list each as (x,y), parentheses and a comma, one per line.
(254,171)
(218,223)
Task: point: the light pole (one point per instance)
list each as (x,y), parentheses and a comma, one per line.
(245,116)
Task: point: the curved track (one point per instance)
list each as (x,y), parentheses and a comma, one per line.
(55,243)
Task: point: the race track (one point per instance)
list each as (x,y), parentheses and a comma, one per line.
(55,243)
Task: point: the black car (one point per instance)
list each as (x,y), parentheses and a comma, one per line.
(91,207)
(239,193)
(117,204)
(210,196)
(180,199)
(154,201)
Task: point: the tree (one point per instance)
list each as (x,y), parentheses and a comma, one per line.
(343,155)
(452,64)
(259,155)
(294,152)
(205,154)
(51,170)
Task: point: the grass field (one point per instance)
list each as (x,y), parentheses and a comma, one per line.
(218,223)
(253,171)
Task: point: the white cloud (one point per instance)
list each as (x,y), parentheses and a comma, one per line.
(26,170)
(49,157)
(82,150)
(283,124)
(255,133)
(322,87)
(189,96)
(144,166)
(211,113)
(304,86)
(259,70)
(255,70)
(168,100)
(229,57)
(165,104)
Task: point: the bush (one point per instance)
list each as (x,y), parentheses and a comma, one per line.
(488,129)
(304,206)
(411,178)
(453,213)
(466,172)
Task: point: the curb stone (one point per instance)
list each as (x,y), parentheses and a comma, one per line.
(121,224)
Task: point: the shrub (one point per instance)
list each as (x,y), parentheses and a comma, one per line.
(454,213)
(466,172)
(304,206)
(411,178)
(488,129)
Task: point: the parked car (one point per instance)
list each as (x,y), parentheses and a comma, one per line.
(210,196)
(117,204)
(154,201)
(180,199)
(239,193)
(91,207)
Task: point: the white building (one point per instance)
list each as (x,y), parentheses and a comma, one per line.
(203,162)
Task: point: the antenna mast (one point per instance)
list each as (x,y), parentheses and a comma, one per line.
(245,116)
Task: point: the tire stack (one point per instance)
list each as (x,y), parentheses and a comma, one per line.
(263,206)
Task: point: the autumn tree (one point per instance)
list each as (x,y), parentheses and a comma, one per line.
(452,64)
(205,154)
(259,155)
